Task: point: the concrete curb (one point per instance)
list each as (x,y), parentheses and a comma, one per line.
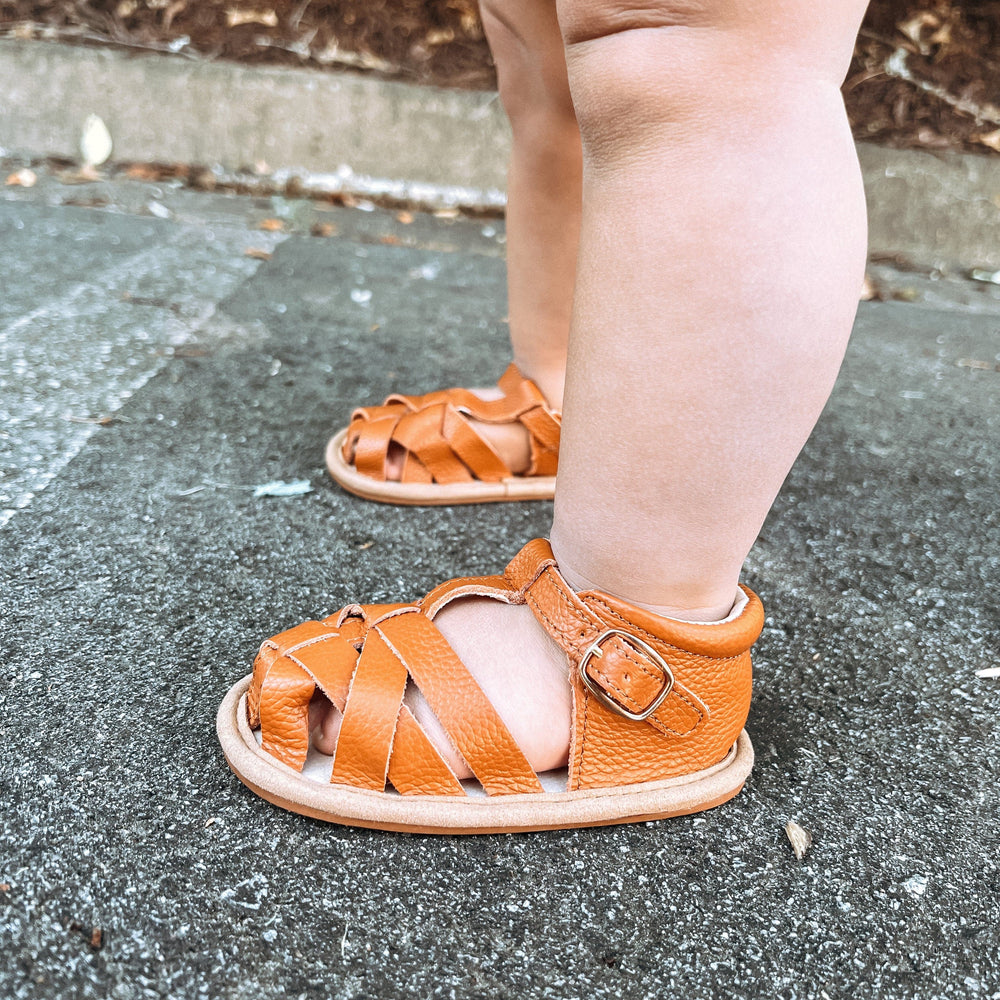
(354,132)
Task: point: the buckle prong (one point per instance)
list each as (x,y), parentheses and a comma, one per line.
(596,652)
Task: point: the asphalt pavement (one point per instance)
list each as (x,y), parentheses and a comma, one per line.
(153,373)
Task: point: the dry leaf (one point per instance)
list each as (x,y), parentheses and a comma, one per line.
(914,28)
(22,178)
(942,36)
(800,838)
(102,421)
(256,253)
(4,886)
(271,225)
(172,11)
(236,17)
(991,139)
(447,213)
(390,240)
(143,172)
(323,229)
(440,36)
(404,217)
(96,939)
(870,291)
(203,179)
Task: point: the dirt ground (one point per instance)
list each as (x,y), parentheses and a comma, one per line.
(925,74)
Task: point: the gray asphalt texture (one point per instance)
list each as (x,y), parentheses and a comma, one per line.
(152,375)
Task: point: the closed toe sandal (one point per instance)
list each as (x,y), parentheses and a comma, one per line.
(446,461)
(658,712)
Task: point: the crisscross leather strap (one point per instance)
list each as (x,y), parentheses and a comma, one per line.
(440,443)
(637,716)
(362,662)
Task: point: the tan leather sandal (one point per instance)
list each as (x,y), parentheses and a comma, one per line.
(446,460)
(659,709)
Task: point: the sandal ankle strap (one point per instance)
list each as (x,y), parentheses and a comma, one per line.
(634,668)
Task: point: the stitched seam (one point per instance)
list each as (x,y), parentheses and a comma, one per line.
(630,700)
(583,737)
(656,723)
(310,642)
(611,611)
(538,609)
(652,719)
(539,570)
(642,666)
(556,581)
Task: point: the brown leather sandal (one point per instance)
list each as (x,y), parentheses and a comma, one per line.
(446,461)
(659,709)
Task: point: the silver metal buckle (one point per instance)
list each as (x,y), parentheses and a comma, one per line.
(594,651)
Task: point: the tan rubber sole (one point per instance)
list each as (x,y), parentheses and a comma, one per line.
(432,494)
(476,813)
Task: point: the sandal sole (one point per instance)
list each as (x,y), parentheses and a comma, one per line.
(285,787)
(432,494)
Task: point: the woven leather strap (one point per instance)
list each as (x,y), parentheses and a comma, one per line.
(438,440)
(379,738)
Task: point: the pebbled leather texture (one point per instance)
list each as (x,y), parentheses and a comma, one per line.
(441,445)
(363,658)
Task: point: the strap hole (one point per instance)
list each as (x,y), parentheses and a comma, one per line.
(627,678)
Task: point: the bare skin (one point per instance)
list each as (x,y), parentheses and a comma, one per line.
(721,251)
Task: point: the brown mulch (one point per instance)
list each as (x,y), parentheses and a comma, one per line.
(926,73)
